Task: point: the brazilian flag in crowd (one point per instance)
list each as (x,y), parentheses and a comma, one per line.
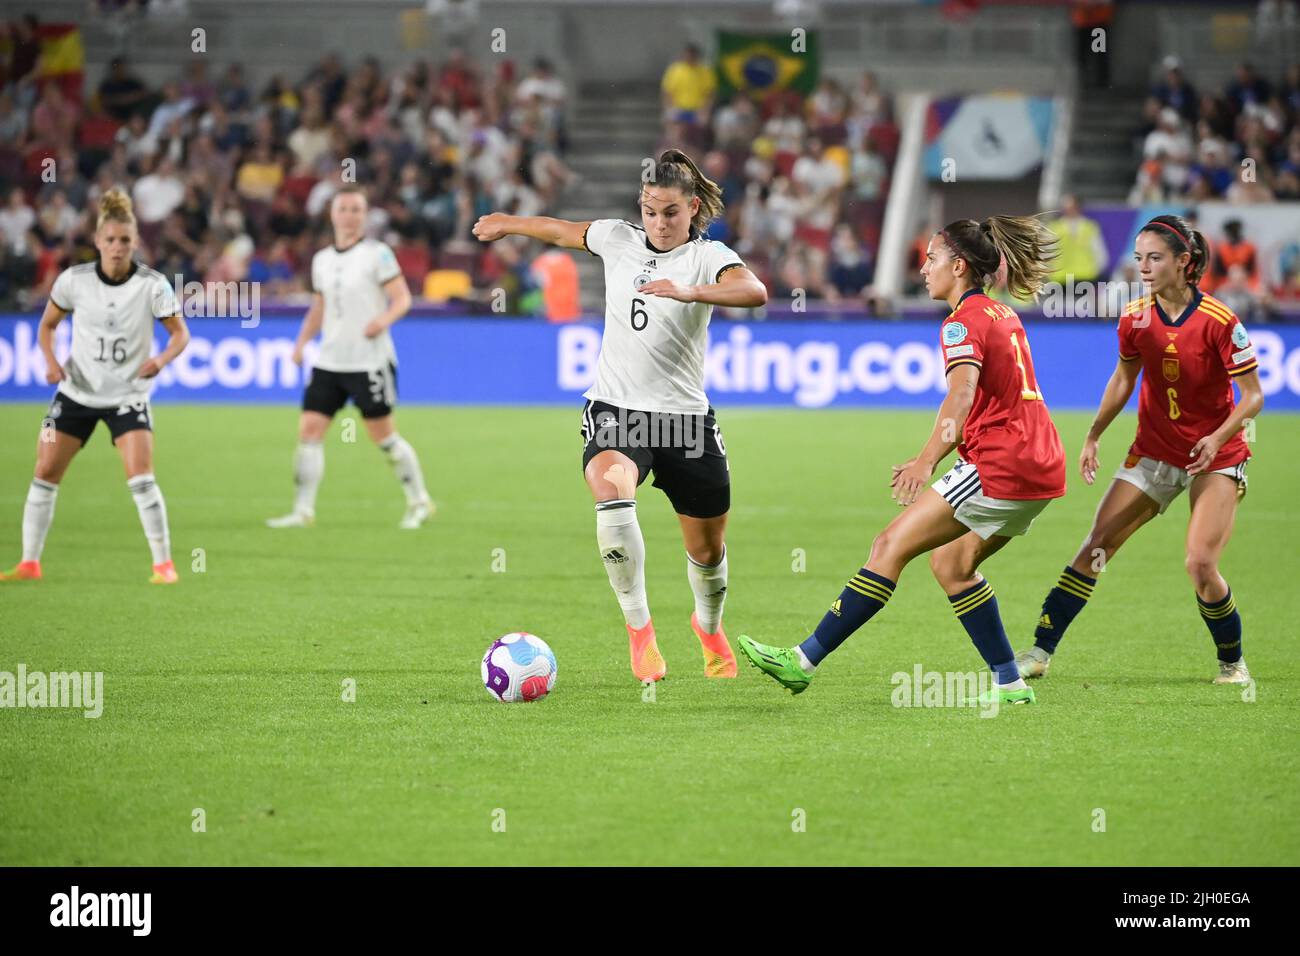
(760,63)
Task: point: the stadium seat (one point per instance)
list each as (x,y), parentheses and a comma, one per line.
(441,285)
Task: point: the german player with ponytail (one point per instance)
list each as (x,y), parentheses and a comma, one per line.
(1010,463)
(107,378)
(1189,349)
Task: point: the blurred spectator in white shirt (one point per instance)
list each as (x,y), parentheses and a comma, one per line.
(16,218)
(1170,143)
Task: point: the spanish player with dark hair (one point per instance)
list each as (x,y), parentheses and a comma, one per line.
(1010,463)
(1189,349)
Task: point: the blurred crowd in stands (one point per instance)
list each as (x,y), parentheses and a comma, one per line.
(1240,144)
(804,178)
(232,182)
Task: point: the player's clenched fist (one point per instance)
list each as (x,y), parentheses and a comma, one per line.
(491,227)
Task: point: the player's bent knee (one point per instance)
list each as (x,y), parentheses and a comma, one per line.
(950,570)
(1202,567)
(708,555)
(50,473)
(312,427)
(611,477)
(883,547)
(942,566)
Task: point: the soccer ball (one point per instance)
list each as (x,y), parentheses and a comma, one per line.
(519,666)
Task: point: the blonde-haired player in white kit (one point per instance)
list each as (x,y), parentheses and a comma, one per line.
(662,279)
(114,302)
(359,292)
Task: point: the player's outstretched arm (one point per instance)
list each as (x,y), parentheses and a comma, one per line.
(50,320)
(1118,391)
(555,232)
(311,324)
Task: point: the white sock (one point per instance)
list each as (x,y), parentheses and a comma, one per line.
(1017,684)
(710,586)
(623,550)
(308,469)
(38,514)
(807,665)
(407,465)
(153,516)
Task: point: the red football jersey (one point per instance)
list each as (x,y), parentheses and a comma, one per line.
(1187,371)
(1009,435)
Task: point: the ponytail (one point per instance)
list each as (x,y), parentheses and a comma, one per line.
(1026,246)
(677,170)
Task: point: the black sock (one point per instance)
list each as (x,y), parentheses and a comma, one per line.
(1224,622)
(977,609)
(864,595)
(1063,602)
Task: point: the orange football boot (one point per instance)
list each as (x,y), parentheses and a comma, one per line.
(23,571)
(647,663)
(719,661)
(164,573)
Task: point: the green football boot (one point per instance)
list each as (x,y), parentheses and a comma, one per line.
(1023,695)
(779,663)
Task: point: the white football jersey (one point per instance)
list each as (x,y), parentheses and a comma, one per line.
(352,281)
(112,331)
(652,354)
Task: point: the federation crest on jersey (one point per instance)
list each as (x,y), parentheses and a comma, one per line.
(639,281)
(1170,367)
(1240,337)
(953,333)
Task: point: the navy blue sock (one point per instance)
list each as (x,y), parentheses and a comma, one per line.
(977,609)
(865,594)
(1062,604)
(1224,622)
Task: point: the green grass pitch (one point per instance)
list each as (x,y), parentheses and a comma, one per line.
(225,692)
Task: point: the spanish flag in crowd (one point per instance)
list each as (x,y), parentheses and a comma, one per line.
(63,58)
(759,64)
(60,57)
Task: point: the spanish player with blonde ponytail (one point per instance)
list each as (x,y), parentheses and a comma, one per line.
(662,280)
(108,376)
(1010,463)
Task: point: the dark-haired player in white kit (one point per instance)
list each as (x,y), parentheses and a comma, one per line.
(662,279)
(359,292)
(107,378)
